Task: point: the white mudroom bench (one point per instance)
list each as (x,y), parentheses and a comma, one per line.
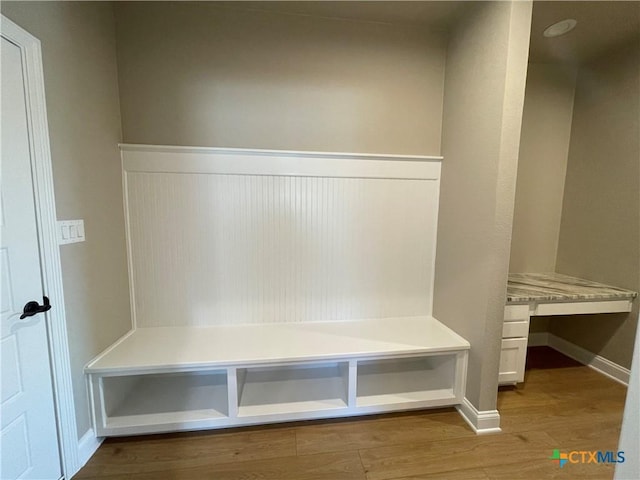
(186,378)
(271,286)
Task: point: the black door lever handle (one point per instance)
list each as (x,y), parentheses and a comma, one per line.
(32,308)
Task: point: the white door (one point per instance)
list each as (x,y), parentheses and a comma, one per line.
(28,442)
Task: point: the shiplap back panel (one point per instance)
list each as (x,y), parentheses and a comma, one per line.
(211,248)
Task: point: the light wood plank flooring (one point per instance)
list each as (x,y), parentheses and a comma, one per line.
(562,405)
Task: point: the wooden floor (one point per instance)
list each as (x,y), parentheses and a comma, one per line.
(562,405)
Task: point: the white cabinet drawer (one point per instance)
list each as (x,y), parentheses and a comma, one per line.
(515,329)
(516,312)
(512,360)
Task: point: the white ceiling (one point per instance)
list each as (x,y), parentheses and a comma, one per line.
(601,24)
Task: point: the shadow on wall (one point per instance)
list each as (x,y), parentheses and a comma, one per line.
(582,328)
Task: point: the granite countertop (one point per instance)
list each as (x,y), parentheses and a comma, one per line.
(554,287)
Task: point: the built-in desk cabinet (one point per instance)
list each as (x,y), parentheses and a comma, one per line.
(515,332)
(549,294)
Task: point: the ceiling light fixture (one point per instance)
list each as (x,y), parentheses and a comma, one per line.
(560,28)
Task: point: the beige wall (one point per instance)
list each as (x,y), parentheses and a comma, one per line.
(539,324)
(600,229)
(78,49)
(484,96)
(542,166)
(196,74)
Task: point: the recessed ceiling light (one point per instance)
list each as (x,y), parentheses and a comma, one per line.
(560,28)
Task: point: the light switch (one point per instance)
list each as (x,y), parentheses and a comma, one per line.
(70,231)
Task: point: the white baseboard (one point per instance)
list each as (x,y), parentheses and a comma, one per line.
(598,363)
(482,422)
(87,446)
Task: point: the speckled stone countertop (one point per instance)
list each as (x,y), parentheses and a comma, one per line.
(554,287)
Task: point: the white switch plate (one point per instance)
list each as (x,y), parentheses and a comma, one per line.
(70,231)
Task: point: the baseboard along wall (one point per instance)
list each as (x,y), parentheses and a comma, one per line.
(602,365)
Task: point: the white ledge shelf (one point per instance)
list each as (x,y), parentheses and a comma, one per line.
(134,147)
(241,161)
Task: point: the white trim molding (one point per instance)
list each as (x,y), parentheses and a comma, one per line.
(134,147)
(240,161)
(48,241)
(87,446)
(590,359)
(598,363)
(481,422)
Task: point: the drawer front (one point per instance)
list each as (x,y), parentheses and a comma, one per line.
(515,329)
(512,360)
(513,313)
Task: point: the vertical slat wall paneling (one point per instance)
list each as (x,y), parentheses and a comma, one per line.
(232,237)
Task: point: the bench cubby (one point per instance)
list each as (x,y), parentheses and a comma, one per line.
(177,399)
(405,381)
(292,388)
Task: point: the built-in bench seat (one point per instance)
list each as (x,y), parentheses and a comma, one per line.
(219,238)
(161,379)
